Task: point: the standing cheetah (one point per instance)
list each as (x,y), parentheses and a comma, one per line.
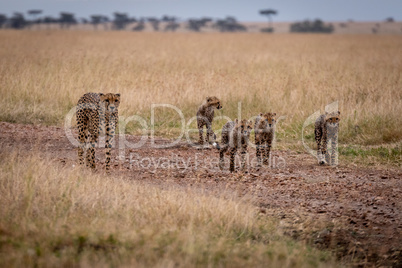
(326,128)
(96,111)
(264,135)
(205,116)
(235,135)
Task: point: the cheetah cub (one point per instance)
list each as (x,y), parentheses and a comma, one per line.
(205,116)
(235,135)
(264,128)
(326,128)
(96,112)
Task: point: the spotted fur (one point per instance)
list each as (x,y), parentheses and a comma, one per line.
(96,112)
(264,128)
(235,136)
(205,116)
(327,128)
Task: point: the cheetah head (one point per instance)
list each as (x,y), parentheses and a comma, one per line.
(214,102)
(244,127)
(268,120)
(111,101)
(332,119)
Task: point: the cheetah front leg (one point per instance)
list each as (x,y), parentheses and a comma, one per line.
(83,137)
(324,146)
(232,159)
(210,133)
(243,158)
(318,137)
(91,150)
(258,152)
(334,151)
(110,133)
(201,134)
(222,151)
(267,151)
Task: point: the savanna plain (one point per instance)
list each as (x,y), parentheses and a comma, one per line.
(299,214)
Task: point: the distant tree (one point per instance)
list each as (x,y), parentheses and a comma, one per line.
(229,24)
(3,19)
(139,27)
(17,21)
(66,20)
(268,13)
(154,23)
(96,20)
(172,26)
(307,26)
(84,20)
(49,20)
(166,18)
(389,19)
(205,20)
(34,13)
(196,24)
(120,21)
(104,21)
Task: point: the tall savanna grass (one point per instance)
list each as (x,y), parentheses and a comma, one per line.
(67,217)
(43,73)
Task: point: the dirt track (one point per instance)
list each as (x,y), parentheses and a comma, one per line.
(365,204)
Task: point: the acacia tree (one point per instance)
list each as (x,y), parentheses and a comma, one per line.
(49,20)
(154,23)
(34,13)
(96,20)
(17,21)
(268,13)
(67,19)
(120,21)
(3,19)
(229,24)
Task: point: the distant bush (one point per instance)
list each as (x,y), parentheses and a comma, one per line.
(139,27)
(389,19)
(307,26)
(229,24)
(267,30)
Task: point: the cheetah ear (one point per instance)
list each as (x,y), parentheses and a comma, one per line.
(274,114)
(102,96)
(261,114)
(118,95)
(209,99)
(339,112)
(236,121)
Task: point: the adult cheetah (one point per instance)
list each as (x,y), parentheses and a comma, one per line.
(264,128)
(95,113)
(327,128)
(235,135)
(205,116)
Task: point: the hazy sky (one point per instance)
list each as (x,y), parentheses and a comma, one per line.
(243,10)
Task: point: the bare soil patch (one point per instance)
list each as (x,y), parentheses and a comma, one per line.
(355,212)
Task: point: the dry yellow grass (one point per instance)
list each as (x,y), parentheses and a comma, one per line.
(42,75)
(63,217)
